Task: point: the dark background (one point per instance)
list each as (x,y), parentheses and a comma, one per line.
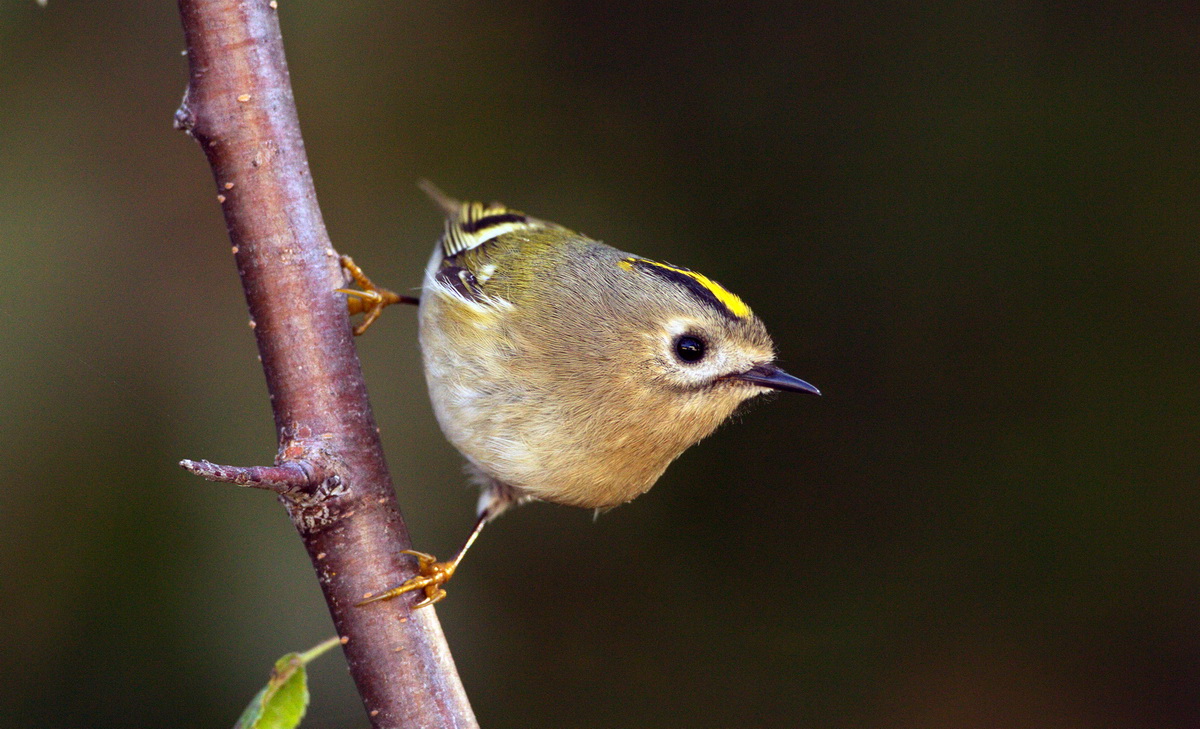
(971,224)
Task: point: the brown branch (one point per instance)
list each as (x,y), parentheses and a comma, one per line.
(330,468)
(292,477)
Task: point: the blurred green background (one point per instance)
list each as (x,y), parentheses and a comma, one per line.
(972,224)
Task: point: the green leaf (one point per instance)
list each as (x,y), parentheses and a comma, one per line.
(282,702)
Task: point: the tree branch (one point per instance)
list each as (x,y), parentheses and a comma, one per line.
(292,477)
(329,471)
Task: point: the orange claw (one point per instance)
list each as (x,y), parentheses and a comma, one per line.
(371,299)
(432,574)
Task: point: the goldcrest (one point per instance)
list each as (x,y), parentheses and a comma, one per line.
(565,370)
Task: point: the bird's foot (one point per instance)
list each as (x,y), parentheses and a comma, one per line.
(431,575)
(371,300)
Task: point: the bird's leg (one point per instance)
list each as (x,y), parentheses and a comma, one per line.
(371,299)
(431,574)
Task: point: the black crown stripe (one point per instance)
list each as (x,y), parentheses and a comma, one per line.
(697,289)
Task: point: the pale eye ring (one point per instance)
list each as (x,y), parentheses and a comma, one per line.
(689,349)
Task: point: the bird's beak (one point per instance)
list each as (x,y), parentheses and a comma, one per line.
(771,376)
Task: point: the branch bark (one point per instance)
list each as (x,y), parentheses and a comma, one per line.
(330,471)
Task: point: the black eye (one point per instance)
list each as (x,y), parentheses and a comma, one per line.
(689,349)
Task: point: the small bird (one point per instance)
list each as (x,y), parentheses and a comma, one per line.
(565,370)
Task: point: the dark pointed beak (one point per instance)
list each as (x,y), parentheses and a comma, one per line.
(776,379)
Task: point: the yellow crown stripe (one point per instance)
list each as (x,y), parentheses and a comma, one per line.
(727,298)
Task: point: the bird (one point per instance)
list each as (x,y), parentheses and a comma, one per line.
(565,370)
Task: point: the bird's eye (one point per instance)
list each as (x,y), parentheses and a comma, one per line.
(689,349)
